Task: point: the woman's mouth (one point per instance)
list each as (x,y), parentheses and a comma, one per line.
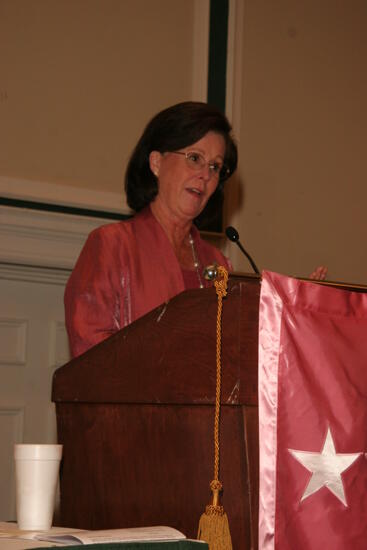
(195,191)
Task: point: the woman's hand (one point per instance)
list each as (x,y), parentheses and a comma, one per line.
(319,274)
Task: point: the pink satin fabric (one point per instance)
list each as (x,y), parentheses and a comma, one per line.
(125,270)
(312,377)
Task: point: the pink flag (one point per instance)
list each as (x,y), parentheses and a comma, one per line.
(313,416)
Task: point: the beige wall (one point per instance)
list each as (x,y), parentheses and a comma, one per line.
(80,78)
(303,136)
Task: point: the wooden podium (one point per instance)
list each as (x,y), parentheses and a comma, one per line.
(136,413)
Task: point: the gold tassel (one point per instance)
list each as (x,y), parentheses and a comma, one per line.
(213,524)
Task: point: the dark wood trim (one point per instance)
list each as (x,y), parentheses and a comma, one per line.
(218,37)
(62,209)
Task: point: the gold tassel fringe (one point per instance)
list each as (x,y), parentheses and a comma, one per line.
(213,524)
(214,530)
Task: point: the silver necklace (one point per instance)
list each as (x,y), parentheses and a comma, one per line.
(196,261)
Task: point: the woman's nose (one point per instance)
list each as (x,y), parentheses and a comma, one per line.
(206,172)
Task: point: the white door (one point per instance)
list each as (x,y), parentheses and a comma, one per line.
(33,343)
(38,250)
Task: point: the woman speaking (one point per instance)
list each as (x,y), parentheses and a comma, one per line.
(128,268)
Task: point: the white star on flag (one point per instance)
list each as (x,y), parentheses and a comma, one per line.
(326,467)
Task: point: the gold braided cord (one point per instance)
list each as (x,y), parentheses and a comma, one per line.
(221,289)
(213,524)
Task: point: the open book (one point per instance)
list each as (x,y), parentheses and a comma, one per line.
(63,536)
(136,534)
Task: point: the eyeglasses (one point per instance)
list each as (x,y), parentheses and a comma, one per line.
(196,161)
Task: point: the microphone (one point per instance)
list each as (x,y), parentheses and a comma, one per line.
(233,236)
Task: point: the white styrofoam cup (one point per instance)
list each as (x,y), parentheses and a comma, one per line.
(36,476)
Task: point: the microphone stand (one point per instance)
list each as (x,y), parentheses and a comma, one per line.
(233,236)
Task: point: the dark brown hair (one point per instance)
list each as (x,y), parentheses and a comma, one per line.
(170,130)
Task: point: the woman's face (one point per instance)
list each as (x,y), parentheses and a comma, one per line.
(183,190)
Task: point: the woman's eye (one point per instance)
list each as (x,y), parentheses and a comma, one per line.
(193,157)
(216,168)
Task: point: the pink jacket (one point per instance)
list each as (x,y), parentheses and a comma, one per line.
(124,270)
